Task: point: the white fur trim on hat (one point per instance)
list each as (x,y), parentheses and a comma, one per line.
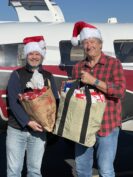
(32,47)
(87,33)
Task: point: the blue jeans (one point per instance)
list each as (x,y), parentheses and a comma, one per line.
(17,143)
(105,149)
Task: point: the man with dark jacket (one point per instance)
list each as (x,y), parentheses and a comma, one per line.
(24,134)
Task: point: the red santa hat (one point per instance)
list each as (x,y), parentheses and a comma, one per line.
(85,31)
(34,43)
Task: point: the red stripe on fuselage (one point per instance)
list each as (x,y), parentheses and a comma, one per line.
(129,79)
(57,70)
(63,71)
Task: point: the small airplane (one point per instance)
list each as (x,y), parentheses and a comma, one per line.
(44,17)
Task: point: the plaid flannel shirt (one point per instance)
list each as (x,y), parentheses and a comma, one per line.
(109,70)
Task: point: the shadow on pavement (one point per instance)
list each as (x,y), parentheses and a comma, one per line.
(59,158)
(124,158)
(2,154)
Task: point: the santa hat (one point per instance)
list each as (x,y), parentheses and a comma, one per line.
(85,31)
(34,43)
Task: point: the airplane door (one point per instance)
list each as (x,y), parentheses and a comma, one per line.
(11,57)
(70,55)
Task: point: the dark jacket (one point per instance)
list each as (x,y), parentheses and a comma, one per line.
(18,118)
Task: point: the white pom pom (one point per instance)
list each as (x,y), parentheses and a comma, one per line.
(74,41)
(42,44)
(29,85)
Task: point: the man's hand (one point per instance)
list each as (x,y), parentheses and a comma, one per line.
(87,78)
(35,126)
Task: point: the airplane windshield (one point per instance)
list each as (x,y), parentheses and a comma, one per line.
(32,4)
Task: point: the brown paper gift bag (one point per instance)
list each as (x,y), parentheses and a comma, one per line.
(42,109)
(79,119)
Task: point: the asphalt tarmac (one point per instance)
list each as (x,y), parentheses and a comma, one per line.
(58,160)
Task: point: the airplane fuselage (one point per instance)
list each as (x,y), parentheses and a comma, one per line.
(60,56)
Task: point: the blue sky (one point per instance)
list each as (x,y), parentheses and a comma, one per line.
(87,10)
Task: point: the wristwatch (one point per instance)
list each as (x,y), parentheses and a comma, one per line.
(96,83)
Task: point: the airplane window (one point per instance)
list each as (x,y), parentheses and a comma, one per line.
(124,50)
(77,53)
(11,55)
(34,4)
(1,55)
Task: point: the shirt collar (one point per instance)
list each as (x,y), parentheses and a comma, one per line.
(29,68)
(102,59)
